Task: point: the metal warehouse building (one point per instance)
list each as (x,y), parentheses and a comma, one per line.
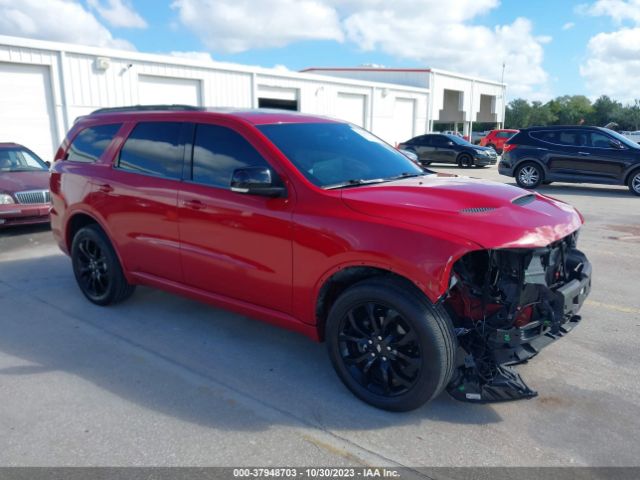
(44,86)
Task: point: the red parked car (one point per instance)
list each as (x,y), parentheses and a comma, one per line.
(497,138)
(24,186)
(416,282)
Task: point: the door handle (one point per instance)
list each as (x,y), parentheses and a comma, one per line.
(584,154)
(194,204)
(105,188)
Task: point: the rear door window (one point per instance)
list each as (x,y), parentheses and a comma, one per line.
(155,148)
(569,138)
(91,143)
(218,151)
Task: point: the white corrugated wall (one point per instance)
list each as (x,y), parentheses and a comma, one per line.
(80,83)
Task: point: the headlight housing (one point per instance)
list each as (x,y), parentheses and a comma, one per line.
(6,199)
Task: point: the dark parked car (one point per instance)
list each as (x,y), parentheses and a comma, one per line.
(441,148)
(574,154)
(24,186)
(417,282)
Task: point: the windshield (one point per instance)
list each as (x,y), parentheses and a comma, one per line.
(333,155)
(20,160)
(460,141)
(622,138)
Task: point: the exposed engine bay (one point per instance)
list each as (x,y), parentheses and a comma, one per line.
(506,305)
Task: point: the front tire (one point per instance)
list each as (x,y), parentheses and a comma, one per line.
(97,268)
(529,176)
(634,182)
(389,345)
(465,160)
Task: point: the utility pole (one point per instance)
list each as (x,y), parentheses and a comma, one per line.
(504,95)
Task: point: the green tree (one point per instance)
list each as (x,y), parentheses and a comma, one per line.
(605,110)
(541,115)
(571,109)
(518,114)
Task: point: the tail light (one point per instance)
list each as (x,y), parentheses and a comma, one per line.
(508,147)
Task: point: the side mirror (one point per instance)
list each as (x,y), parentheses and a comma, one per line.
(451,144)
(256,181)
(47,163)
(616,144)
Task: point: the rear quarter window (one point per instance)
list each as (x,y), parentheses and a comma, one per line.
(89,145)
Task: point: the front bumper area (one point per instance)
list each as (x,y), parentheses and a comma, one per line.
(19,214)
(483,161)
(507,305)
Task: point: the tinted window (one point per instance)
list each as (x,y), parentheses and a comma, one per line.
(573,138)
(600,140)
(440,141)
(218,151)
(154,148)
(332,154)
(91,143)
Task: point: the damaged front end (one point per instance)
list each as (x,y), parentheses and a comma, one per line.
(507,304)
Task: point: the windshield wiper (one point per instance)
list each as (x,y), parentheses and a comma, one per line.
(404,175)
(356,182)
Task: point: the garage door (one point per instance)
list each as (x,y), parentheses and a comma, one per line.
(154,90)
(352,108)
(403,119)
(26,108)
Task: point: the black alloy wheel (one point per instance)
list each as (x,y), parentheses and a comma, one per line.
(389,345)
(381,351)
(465,160)
(97,268)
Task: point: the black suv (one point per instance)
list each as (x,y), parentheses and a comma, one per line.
(441,148)
(541,155)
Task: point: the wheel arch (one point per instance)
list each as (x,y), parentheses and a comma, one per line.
(80,219)
(524,160)
(333,285)
(632,170)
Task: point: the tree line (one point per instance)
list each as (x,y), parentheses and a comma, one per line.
(573,110)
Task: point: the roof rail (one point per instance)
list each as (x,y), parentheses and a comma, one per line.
(146,108)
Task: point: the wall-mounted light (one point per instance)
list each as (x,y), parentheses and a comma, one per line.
(102,63)
(385,92)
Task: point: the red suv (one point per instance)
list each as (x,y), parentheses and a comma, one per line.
(497,138)
(417,282)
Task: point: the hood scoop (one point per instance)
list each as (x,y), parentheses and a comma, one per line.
(524,200)
(476,210)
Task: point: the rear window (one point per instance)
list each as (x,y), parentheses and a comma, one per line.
(505,134)
(154,148)
(90,143)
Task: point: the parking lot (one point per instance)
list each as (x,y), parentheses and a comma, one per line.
(161,380)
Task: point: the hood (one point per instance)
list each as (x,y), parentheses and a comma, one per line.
(11,182)
(493,215)
(484,149)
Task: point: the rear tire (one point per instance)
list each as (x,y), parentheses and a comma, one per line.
(465,160)
(529,175)
(389,345)
(634,182)
(97,268)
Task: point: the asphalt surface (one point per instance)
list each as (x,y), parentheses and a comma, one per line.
(160,380)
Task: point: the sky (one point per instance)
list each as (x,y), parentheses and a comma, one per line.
(549,47)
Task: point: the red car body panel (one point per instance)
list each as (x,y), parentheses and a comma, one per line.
(269,257)
(494,138)
(13,182)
